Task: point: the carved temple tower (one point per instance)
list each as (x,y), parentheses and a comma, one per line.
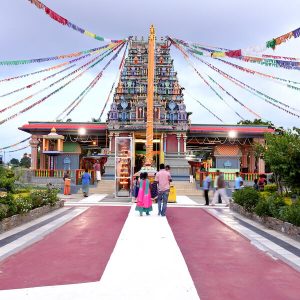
(131,103)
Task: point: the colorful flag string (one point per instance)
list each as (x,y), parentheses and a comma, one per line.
(121,66)
(259,94)
(291,63)
(59,65)
(236,100)
(251,71)
(55,16)
(56,82)
(58,89)
(16,144)
(91,85)
(28,86)
(40,60)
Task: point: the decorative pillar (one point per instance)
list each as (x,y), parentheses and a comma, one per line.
(244,157)
(261,166)
(110,142)
(150,97)
(252,162)
(34,152)
(178,143)
(42,161)
(184,144)
(165,142)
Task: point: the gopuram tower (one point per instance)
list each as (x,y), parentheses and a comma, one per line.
(148,105)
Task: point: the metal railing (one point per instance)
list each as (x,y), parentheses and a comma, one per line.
(76,174)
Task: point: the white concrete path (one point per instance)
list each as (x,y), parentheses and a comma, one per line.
(145,264)
(185,200)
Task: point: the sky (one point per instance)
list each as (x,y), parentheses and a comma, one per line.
(27,32)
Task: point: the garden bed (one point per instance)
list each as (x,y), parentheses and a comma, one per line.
(17,220)
(270,222)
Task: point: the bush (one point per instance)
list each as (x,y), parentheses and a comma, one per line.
(290,214)
(271,188)
(270,206)
(23,205)
(3,211)
(246,197)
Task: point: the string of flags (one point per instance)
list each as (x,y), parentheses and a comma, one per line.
(44,59)
(92,84)
(15,144)
(60,88)
(186,56)
(57,81)
(266,60)
(121,66)
(63,21)
(259,94)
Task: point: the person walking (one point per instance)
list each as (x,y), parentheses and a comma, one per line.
(144,201)
(85,181)
(237,181)
(163,178)
(136,187)
(220,191)
(97,169)
(206,186)
(216,185)
(67,183)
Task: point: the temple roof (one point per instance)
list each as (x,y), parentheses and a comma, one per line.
(64,127)
(223,130)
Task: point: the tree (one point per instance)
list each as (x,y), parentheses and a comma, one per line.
(14,162)
(282,153)
(256,122)
(25,161)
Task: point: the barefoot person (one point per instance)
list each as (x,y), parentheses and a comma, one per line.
(67,183)
(163,178)
(85,181)
(97,169)
(144,201)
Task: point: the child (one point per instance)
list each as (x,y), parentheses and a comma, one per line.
(255,185)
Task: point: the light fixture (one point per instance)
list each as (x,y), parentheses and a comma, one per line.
(81,131)
(232,134)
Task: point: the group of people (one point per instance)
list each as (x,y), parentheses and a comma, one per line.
(159,190)
(220,186)
(219,189)
(85,179)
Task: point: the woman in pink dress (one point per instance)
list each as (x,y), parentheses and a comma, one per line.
(144,202)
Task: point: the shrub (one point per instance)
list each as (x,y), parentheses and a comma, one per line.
(246,197)
(23,205)
(3,211)
(271,188)
(270,206)
(290,214)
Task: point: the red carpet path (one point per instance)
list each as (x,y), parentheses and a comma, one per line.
(226,266)
(76,252)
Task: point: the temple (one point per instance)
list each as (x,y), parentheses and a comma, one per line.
(148,106)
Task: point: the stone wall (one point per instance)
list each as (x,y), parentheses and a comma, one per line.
(17,220)
(272,223)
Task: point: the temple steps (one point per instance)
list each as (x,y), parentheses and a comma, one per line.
(186,188)
(103,187)
(182,188)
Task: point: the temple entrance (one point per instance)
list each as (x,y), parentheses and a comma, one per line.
(140,153)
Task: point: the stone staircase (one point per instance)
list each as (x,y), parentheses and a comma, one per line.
(182,188)
(103,187)
(185,188)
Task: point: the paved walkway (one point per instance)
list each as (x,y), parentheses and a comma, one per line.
(104,251)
